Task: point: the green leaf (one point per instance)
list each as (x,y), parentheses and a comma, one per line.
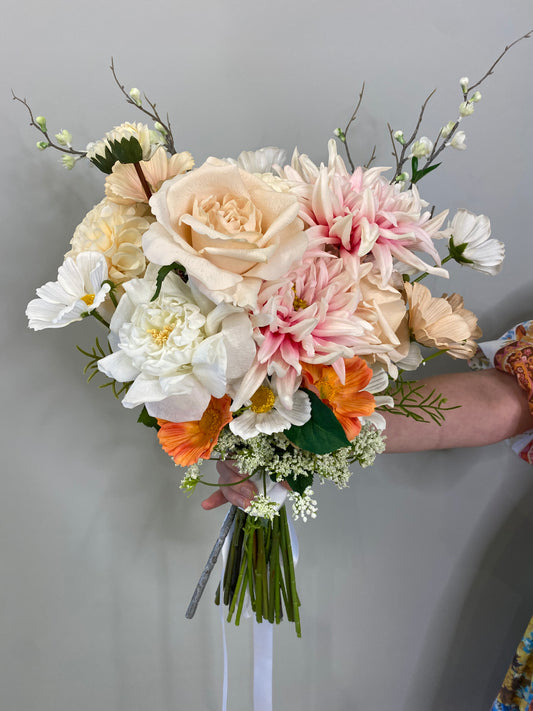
(162,274)
(300,483)
(127,150)
(147,420)
(456,252)
(420,173)
(322,433)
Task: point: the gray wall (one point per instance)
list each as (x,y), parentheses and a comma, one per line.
(416,581)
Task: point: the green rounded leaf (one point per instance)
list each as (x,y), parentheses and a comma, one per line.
(322,433)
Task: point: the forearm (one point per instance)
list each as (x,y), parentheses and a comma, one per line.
(492,408)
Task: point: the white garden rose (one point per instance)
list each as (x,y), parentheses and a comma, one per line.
(177,350)
(228,228)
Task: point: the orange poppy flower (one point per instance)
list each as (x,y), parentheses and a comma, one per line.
(187,442)
(349,401)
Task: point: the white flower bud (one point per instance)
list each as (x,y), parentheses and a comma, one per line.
(403,177)
(135,96)
(422,147)
(458,141)
(41,145)
(68,161)
(41,122)
(398,136)
(446,130)
(64,138)
(160,128)
(476,96)
(466,108)
(464,82)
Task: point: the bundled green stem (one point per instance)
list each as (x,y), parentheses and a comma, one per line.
(260,564)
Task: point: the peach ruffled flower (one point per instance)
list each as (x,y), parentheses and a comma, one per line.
(349,400)
(442,323)
(187,442)
(123,185)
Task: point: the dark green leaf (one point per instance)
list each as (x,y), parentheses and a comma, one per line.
(322,433)
(300,483)
(420,173)
(161,275)
(456,252)
(148,420)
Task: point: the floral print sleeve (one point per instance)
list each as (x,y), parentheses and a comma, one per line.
(513,353)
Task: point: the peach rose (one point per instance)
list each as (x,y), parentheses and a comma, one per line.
(228,228)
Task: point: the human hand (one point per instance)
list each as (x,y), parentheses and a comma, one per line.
(239,494)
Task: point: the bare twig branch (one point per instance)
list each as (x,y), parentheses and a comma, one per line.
(371,159)
(403,157)
(491,70)
(354,116)
(51,144)
(153,114)
(200,587)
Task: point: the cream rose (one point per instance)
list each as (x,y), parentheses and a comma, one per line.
(228,228)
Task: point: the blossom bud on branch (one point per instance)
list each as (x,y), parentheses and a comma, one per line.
(41,122)
(135,96)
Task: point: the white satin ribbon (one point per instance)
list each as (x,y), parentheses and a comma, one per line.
(225,549)
(263,661)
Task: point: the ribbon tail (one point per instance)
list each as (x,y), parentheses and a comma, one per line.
(263,658)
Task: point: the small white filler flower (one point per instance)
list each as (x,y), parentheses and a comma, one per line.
(470,242)
(77,291)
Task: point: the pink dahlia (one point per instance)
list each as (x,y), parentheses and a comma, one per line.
(312,318)
(363,215)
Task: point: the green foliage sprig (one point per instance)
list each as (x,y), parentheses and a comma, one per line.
(412,400)
(94,355)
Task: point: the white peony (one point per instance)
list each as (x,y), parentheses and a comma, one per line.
(470,242)
(178,350)
(78,290)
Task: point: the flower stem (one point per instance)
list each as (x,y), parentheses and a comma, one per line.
(143,180)
(99,318)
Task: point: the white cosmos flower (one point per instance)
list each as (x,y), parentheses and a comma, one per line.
(78,290)
(378,382)
(470,242)
(178,350)
(266,414)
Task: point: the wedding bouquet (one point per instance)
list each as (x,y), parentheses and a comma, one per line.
(265,311)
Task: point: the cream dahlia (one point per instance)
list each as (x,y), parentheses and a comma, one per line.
(116,232)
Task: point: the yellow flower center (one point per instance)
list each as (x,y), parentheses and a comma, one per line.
(263,400)
(211,421)
(297,302)
(88,298)
(160,336)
